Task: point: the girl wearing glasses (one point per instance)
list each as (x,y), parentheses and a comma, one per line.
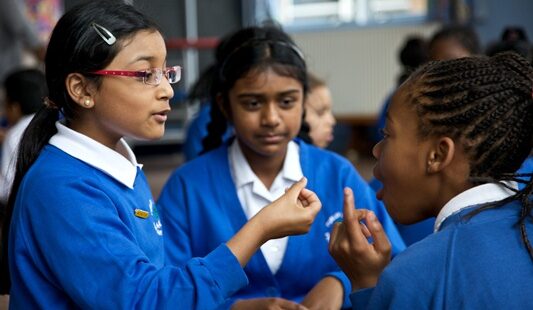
(259,87)
(82,226)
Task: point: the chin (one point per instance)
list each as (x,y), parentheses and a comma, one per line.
(395,212)
(150,136)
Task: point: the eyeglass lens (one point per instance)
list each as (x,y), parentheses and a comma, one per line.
(154,75)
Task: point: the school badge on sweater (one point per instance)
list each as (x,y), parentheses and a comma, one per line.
(153,213)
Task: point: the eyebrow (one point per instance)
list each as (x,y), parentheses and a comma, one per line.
(284,93)
(143,58)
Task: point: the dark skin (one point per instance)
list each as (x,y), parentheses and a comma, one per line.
(435,168)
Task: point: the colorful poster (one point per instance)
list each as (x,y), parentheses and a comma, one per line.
(44,14)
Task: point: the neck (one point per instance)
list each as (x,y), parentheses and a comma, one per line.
(266,168)
(451,186)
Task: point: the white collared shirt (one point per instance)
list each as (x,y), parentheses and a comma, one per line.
(120,163)
(474,196)
(9,155)
(253,194)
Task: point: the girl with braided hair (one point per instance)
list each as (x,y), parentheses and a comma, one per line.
(456,132)
(260,86)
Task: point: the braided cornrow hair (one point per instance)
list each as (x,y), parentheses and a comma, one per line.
(486,105)
(252,48)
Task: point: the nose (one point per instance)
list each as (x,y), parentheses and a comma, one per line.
(376,150)
(165,90)
(270,115)
(332,119)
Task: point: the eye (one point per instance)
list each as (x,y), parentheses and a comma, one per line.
(251,104)
(383,133)
(153,76)
(287,102)
(149,75)
(322,112)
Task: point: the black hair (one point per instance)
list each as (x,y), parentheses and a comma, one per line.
(74,47)
(514,33)
(252,48)
(27,88)
(485,105)
(412,55)
(513,39)
(199,91)
(464,35)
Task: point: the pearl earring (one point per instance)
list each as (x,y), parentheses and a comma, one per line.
(87,102)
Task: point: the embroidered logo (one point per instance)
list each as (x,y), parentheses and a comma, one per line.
(155,218)
(330,221)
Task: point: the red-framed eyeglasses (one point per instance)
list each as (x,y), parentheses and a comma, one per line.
(152,76)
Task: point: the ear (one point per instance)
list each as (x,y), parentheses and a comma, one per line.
(222,107)
(440,155)
(80,90)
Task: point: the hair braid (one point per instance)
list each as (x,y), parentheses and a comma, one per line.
(486,106)
(215,129)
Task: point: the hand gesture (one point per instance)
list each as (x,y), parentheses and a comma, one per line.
(267,304)
(291,214)
(361,260)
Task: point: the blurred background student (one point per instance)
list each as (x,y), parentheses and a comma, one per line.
(319,112)
(25,90)
(515,39)
(454,41)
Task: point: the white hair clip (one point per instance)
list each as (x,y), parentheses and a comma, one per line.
(107,36)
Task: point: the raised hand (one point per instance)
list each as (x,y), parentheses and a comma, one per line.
(361,260)
(291,214)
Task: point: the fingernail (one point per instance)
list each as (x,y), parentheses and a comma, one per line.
(371,216)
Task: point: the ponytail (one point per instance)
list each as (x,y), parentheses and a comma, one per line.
(216,129)
(35,137)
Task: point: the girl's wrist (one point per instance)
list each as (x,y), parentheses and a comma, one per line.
(259,228)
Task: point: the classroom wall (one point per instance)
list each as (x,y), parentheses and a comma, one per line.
(493,15)
(360,65)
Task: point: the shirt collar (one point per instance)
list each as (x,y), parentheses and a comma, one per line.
(243,173)
(119,163)
(474,196)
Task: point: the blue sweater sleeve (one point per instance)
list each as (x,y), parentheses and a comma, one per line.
(361,298)
(80,242)
(346,285)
